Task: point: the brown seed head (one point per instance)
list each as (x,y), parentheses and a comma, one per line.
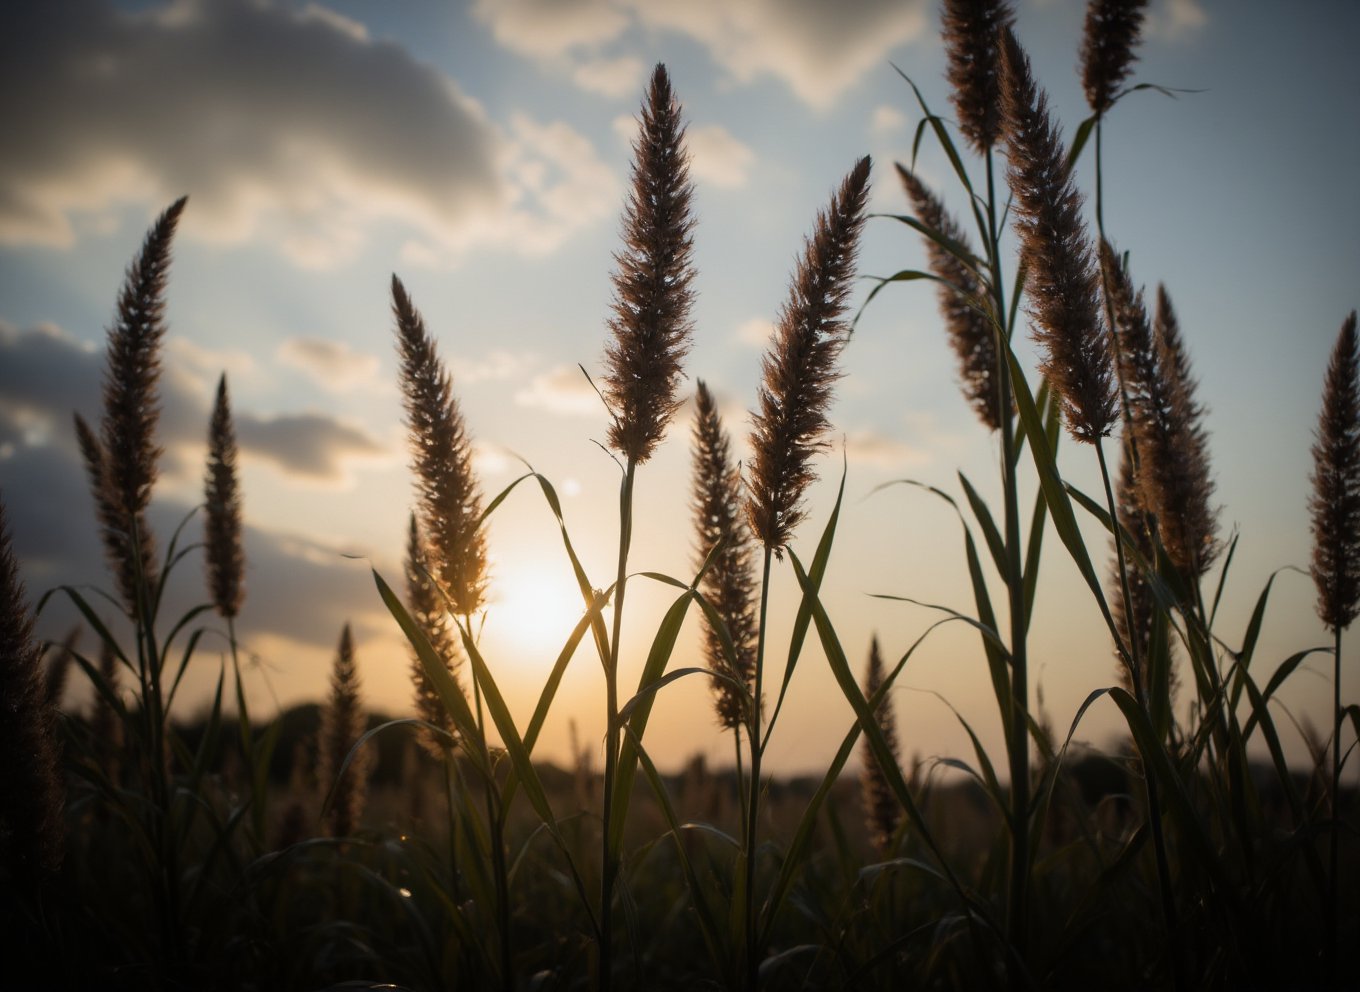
(428,611)
(1164,421)
(1336,486)
(1061,279)
(222,500)
(131,403)
(114,535)
(652,295)
(342,724)
(1185,488)
(881,810)
(971,33)
(971,330)
(106,728)
(800,368)
(1112,28)
(31,800)
(448,497)
(729,583)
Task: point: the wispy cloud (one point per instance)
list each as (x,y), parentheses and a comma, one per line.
(1176,20)
(332,365)
(495,366)
(612,77)
(756,332)
(560,390)
(46,375)
(869,447)
(886,120)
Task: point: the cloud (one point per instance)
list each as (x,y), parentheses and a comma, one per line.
(293,128)
(55,539)
(207,363)
(1175,20)
(46,375)
(611,77)
(817,49)
(717,157)
(868,447)
(560,184)
(886,120)
(314,445)
(756,332)
(332,365)
(496,366)
(543,28)
(560,390)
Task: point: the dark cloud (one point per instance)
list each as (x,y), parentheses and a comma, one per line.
(46,376)
(295,588)
(266,116)
(305,443)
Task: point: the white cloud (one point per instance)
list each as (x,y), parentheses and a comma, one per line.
(496,366)
(559,184)
(611,77)
(717,157)
(290,128)
(816,48)
(757,332)
(332,365)
(561,390)
(551,27)
(885,120)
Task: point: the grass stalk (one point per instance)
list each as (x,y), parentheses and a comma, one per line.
(1170,921)
(751,820)
(609,858)
(1017,746)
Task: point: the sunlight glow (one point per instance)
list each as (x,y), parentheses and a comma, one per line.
(533,609)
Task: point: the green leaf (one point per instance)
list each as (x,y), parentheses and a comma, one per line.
(984,518)
(663,644)
(803,618)
(1079,139)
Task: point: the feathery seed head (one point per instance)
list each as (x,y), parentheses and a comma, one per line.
(881,809)
(971,33)
(1336,485)
(729,583)
(342,724)
(652,296)
(428,611)
(1185,490)
(1112,28)
(222,499)
(1057,256)
(971,331)
(131,403)
(1165,428)
(448,497)
(800,368)
(31,831)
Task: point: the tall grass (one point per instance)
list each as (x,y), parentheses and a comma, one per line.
(1173,864)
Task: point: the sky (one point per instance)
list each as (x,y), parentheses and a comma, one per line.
(480,150)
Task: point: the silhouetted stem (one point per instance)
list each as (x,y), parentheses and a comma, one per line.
(609,863)
(752,820)
(1169,915)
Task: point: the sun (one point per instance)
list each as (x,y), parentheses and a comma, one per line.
(533,608)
